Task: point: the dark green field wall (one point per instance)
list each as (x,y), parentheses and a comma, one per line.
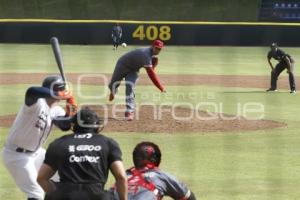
(162,17)
(162,10)
(144,33)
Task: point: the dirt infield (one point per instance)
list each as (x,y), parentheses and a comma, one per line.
(184,80)
(149,119)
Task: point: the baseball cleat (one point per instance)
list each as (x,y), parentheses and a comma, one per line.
(271,90)
(293,91)
(129,116)
(111,97)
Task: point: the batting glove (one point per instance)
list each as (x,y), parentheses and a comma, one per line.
(64,95)
(71,106)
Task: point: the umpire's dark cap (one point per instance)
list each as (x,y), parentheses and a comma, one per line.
(274,45)
(86,120)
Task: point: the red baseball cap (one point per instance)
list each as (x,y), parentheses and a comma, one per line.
(158,44)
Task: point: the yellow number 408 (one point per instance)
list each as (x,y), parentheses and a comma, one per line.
(152,32)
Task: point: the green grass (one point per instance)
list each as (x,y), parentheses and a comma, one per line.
(242,165)
(173,59)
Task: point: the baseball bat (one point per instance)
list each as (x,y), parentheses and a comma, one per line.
(58,57)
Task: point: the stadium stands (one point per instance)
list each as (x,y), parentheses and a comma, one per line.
(280,11)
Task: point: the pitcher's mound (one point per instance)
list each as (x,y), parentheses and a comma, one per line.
(166,119)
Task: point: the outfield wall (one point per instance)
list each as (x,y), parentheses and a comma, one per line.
(173,33)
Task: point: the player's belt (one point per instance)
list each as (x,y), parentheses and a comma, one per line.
(83,186)
(21,150)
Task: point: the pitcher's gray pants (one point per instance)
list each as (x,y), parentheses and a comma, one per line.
(130,81)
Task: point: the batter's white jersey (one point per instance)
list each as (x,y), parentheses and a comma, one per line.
(33,125)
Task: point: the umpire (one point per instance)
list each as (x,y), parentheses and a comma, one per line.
(83,160)
(285,61)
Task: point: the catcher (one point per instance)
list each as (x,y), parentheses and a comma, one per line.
(147,181)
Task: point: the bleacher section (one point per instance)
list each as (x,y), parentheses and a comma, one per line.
(280,11)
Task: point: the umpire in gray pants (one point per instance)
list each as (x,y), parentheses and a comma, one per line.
(285,61)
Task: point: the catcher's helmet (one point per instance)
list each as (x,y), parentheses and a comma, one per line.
(86,121)
(54,83)
(145,153)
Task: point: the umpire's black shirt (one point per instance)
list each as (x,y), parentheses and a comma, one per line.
(277,55)
(82,158)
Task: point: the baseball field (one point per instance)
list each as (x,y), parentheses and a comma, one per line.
(219,131)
